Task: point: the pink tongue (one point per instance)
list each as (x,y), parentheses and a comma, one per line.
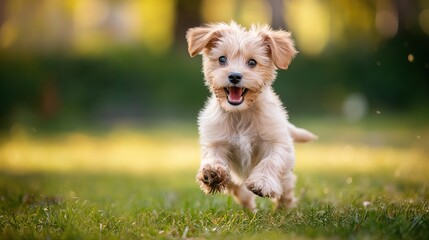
(235,94)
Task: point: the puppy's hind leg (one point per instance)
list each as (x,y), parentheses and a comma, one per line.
(287,199)
(243,196)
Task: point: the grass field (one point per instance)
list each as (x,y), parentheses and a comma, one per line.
(367,180)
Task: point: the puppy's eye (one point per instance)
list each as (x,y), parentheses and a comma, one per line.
(222,60)
(252,63)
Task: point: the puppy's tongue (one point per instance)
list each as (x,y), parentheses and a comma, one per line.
(235,94)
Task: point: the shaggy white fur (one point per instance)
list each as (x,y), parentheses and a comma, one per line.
(246,139)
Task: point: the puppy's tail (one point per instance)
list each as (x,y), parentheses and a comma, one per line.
(300,134)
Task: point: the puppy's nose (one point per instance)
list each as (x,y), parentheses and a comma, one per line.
(234,77)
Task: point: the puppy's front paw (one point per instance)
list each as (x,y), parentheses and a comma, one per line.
(213,179)
(264,187)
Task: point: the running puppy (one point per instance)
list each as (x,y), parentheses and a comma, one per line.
(246,139)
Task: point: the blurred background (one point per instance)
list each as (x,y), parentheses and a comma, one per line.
(98,63)
(99,100)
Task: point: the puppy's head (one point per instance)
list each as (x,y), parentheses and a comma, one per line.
(238,63)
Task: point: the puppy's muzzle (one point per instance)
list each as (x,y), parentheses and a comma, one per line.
(235,94)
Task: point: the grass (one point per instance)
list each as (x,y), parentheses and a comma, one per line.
(369,181)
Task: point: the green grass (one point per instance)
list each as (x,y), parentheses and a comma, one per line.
(130,184)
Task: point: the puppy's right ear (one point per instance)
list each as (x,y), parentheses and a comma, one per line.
(199,38)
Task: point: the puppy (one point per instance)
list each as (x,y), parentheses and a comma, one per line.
(245,137)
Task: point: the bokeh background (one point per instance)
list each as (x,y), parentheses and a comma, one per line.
(73,63)
(98,108)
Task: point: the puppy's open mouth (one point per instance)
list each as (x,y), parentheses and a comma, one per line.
(235,95)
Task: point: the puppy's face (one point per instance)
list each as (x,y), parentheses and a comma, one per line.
(237,63)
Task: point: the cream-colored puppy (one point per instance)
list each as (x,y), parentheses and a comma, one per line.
(246,139)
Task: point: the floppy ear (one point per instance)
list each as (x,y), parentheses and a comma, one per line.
(280,47)
(199,38)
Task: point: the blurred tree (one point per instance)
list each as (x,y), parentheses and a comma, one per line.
(188,14)
(2,11)
(277,14)
(407,15)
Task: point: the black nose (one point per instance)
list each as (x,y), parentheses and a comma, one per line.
(234,77)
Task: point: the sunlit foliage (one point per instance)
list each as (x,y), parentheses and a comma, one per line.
(94,26)
(87,26)
(245,12)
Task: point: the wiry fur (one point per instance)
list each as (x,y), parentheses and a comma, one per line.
(247,147)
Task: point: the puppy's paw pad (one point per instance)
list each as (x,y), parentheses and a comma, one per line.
(263,190)
(213,179)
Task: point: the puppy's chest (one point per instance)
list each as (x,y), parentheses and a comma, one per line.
(242,142)
(244,150)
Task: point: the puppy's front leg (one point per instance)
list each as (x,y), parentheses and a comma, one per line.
(266,178)
(213,175)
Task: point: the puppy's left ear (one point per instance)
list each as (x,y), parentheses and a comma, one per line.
(281,47)
(199,38)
